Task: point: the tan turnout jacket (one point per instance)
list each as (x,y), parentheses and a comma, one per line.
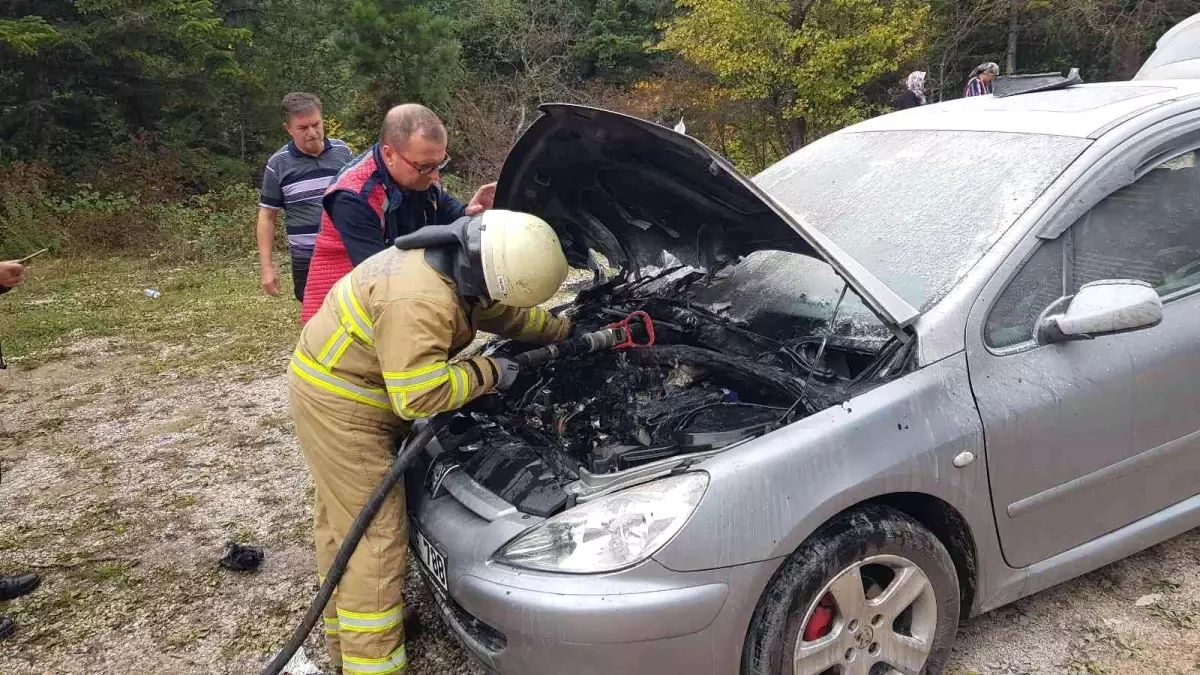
(387,334)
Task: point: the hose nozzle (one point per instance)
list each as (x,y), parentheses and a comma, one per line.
(618,335)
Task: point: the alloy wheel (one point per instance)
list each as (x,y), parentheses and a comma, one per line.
(876,617)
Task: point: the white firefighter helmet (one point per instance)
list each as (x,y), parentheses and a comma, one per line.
(523,261)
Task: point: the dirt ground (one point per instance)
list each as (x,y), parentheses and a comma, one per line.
(122,483)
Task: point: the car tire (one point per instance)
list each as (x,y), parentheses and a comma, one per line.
(810,615)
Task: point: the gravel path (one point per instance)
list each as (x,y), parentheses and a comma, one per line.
(122,485)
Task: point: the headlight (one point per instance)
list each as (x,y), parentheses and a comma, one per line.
(612,532)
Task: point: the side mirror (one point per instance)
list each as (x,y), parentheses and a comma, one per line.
(1101,308)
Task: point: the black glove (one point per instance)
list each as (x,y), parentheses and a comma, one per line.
(507,371)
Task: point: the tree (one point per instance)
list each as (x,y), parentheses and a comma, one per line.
(516,54)
(805,60)
(401,52)
(617,38)
(77,78)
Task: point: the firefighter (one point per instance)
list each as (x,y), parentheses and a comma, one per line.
(378,354)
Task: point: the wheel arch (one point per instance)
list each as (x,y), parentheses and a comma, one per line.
(939,517)
(950,527)
(934,514)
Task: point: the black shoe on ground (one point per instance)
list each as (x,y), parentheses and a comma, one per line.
(412,624)
(7,627)
(15,585)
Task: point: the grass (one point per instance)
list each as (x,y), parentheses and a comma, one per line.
(1182,618)
(113,571)
(214,314)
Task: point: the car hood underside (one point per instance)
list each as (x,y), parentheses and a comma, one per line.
(647,197)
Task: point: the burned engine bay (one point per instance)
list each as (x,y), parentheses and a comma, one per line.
(708,381)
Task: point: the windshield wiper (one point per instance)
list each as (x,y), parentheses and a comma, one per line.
(829,327)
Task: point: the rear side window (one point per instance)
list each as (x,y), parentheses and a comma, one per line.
(1148,230)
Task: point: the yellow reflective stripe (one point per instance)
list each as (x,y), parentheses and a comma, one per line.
(331,625)
(493,311)
(369,622)
(400,403)
(353,317)
(461,387)
(334,347)
(341,351)
(535,321)
(417,378)
(455,388)
(319,376)
(393,663)
(401,384)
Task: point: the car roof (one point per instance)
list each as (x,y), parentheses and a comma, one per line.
(1080,111)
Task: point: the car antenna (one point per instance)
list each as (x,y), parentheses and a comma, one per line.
(820,352)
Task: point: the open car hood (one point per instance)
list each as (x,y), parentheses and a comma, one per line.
(633,191)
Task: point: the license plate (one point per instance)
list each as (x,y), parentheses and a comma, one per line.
(433,560)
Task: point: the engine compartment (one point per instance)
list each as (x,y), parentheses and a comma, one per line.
(613,411)
(709,381)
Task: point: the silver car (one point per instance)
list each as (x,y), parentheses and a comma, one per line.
(926,366)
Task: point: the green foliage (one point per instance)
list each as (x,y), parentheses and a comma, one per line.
(23,211)
(79,77)
(401,52)
(26,35)
(41,211)
(810,59)
(138,124)
(89,200)
(295,48)
(618,37)
(214,226)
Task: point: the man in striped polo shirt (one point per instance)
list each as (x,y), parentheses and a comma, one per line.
(295,180)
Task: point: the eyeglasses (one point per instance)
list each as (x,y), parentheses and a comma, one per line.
(426,170)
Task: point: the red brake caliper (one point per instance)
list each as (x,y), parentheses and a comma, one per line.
(821,620)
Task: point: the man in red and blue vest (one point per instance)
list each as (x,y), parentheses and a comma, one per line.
(390,190)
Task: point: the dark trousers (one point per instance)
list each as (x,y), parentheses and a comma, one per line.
(299,276)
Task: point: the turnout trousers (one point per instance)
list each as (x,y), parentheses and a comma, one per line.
(347,446)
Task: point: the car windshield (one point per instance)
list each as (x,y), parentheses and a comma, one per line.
(917,208)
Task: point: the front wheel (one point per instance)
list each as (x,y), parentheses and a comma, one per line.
(872,592)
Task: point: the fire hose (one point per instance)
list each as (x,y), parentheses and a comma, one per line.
(619,335)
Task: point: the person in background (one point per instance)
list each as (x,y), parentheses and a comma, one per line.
(392,189)
(13,586)
(12,273)
(980,82)
(295,180)
(914,92)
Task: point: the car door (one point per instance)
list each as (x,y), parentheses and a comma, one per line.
(1086,437)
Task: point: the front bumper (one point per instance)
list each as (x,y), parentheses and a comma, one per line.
(645,620)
